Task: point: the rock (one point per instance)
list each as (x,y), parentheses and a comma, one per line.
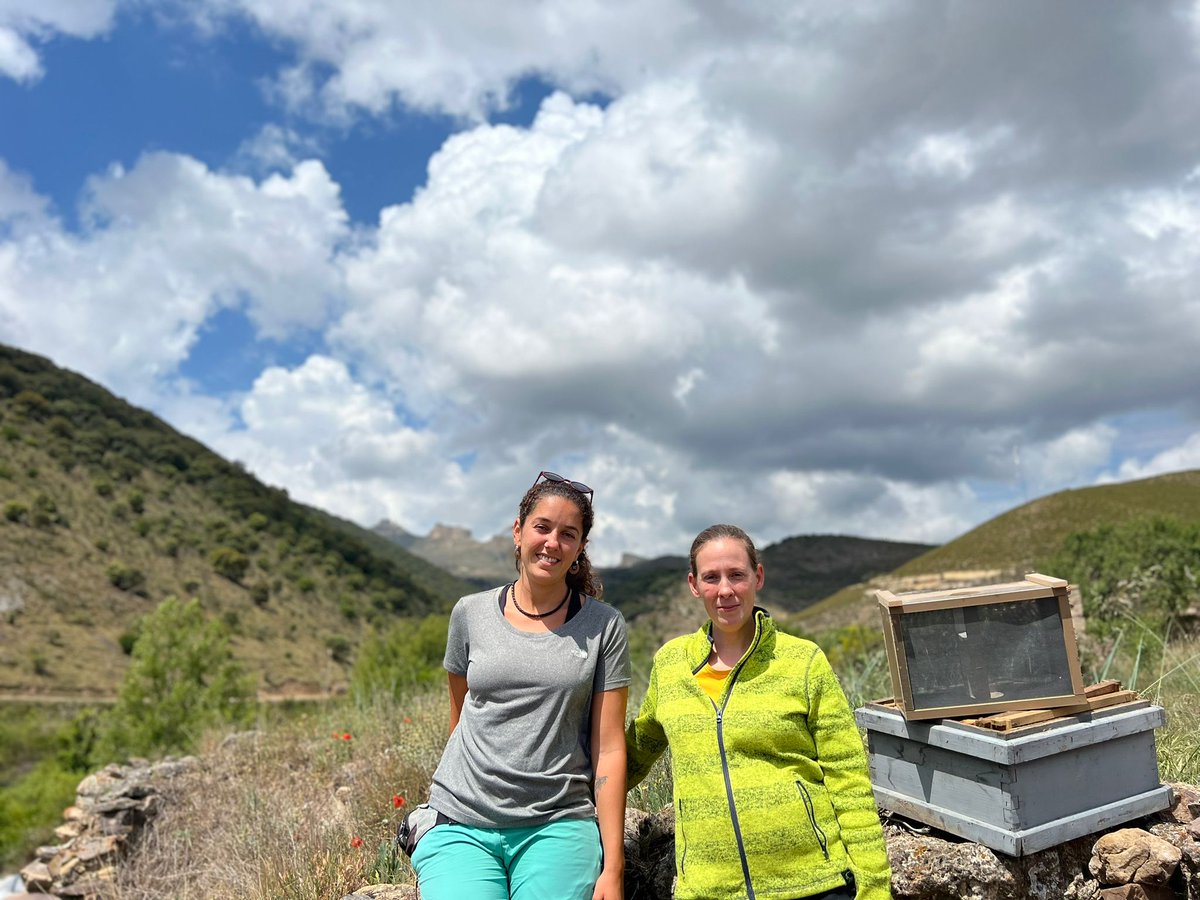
(384,892)
(649,854)
(36,875)
(1185,804)
(1131,855)
(1137,892)
(936,867)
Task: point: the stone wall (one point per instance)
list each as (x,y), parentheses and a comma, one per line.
(1157,858)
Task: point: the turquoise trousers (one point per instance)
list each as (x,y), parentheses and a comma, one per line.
(556,861)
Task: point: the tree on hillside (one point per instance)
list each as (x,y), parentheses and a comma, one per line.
(1148,569)
(406,655)
(182,680)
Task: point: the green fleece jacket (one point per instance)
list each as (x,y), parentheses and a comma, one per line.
(772,795)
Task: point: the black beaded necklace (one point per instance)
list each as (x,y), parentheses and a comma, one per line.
(529,615)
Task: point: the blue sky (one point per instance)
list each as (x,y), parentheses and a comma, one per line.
(884,270)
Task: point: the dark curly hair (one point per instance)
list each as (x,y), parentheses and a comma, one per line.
(585,579)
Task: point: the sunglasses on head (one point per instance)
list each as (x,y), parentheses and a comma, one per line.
(555,478)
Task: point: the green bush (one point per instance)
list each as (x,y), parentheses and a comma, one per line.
(1147,568)
(31,807)
(260,593)
(229,563)
(31,405)
(60,427)
(137,502)
(103,487)
(407,654)
(257,521)
(123,577)
(16,511)
(339,648)
(182,680)
(127,639)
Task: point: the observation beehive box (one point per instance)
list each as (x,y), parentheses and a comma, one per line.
(977,650)
(1022,790)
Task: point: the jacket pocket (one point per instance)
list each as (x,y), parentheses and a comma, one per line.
(812,817)
(682,839)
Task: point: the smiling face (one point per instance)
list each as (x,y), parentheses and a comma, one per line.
(549,540)
(728,583)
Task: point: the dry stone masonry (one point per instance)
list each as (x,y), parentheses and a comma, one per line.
(1156,858)
(113,807)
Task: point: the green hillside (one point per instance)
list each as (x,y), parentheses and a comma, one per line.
(1017,540)
(107,510)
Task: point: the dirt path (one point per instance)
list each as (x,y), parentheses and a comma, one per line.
(108,699)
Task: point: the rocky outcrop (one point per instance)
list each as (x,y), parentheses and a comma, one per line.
(112,809)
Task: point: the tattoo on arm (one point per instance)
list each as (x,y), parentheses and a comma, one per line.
(600,782)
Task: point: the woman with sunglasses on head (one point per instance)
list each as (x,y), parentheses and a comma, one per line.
(772,796)
(530,790)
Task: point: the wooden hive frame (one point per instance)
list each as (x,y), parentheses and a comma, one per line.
(894,608)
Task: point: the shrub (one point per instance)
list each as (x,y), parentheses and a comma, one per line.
(339,648)
(182,680)
(45,512)
(16,511)
(60,427)
(305,584)
(127,639)
(31,405)
(11,433)
(409,653)
(229,563)
(36,798)
(260,593)
(257,521)
(1149,568)
(137,502)
(103,487)
(123,577)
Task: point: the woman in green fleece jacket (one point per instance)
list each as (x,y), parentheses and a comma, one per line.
(772,796)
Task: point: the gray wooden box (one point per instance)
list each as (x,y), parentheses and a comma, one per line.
(1024,791)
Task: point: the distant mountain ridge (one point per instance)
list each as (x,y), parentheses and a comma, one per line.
(106,510)
(452,548)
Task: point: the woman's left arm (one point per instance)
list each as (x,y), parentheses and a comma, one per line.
(843,763)
(608,762)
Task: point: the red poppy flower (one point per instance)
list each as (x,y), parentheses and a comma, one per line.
(398,801)
(347,736)
(356,841)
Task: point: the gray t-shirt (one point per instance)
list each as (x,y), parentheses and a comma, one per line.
(520,755)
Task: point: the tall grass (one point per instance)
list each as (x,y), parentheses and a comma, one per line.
(1163,666)
(305,811)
